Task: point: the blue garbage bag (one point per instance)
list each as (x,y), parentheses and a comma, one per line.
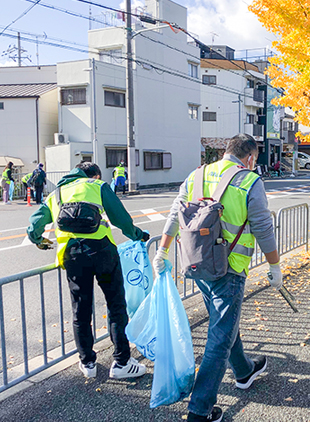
(161,332)
(11,190)
(112,184)
(137,273)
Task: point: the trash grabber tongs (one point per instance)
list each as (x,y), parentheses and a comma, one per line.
(290,299)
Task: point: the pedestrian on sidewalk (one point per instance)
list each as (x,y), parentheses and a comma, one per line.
(120,175)
(88,250)
(6,182)
(38,180)
(244,199)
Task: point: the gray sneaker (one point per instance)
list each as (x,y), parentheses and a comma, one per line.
(89,369)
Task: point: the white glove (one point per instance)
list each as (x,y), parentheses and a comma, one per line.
(159,262)
(275,276)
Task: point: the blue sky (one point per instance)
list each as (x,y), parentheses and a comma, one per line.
(226,21)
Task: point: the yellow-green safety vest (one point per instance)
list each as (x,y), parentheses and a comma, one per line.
(80,190)
(119,172)
(5,176)
(235,210)
(26,177)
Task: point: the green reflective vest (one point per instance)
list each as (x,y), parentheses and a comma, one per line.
(26,177)
(86,190)
(235,211)
(5,177)
(119,172)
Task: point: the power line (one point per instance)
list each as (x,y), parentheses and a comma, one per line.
(20,16)
(69,12)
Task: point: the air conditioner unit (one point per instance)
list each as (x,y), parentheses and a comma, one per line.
(61,138)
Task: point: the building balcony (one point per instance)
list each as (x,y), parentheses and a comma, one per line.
(253,97)
(254,130)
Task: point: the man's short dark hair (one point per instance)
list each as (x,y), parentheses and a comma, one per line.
(242,145)
(91,169)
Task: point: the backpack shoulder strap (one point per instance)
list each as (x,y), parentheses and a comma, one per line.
(58,196)
(198,182)
(225,180)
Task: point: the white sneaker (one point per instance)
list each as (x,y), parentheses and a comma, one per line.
(89,369)
(131,370)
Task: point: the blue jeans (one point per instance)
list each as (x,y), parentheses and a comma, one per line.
(223,299)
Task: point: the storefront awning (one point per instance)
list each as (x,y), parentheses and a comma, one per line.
(4,160)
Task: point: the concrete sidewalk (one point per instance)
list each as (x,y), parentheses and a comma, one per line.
(268,327)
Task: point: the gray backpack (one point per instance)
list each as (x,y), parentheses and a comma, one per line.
(203,250)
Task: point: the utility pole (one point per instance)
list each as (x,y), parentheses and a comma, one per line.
(95,151)
(19,50)
(131,154)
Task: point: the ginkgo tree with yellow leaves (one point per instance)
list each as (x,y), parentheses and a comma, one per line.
(289,21)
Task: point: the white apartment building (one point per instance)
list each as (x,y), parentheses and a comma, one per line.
(28,114)
(166,69)
(231,102)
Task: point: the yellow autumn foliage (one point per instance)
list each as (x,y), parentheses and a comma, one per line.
(289,21)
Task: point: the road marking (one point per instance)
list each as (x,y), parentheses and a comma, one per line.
(10,230)
(153,215)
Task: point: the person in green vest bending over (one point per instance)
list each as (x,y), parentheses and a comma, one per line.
(244,200)
(120,176)
(86,248)
(6,181)
(25,180)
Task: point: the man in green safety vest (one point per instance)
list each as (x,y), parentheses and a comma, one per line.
(244,199)
(120,176)
(25,180)
(88,251)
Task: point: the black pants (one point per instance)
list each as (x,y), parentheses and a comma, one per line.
(84,259)
(39,191)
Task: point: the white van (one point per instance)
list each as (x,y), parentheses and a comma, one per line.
(304,160)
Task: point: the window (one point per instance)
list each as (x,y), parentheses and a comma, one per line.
(137,157)
(157,160)
(287,125)
(250,118)
(209,116)
(111,56)
(73,96)
(209,79)
(87,158)
(193,70)
(1,106)
(250,83)
(114,99)
(193,112)
(114,156)
(258,95)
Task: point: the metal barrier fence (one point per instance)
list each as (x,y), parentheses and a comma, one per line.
(52,178)
(29,290)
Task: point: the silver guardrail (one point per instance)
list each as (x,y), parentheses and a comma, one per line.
(50,351)
(291,230)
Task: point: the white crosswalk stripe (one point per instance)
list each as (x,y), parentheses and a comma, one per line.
(153,217)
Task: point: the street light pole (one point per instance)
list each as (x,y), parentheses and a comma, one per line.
(131,157)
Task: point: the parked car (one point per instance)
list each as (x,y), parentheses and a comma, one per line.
(304,160)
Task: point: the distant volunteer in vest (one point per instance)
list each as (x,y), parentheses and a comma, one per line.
(243,200)
(86,248)
(6,181)
(120,176)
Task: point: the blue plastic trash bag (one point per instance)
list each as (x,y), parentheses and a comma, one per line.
(112,184)
(11,190)
(161,332)
(137,273)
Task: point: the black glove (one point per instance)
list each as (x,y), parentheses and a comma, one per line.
(145,237)
(45,244)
